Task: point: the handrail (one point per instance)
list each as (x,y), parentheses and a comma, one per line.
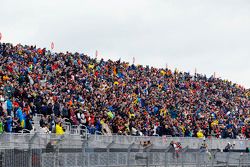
(38,115)
(74,129)
(67,125)
(121,139)
(24,130)
(98,132)
(83,129)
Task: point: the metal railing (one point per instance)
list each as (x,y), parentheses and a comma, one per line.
(42,150)
(192,142)
(79,148)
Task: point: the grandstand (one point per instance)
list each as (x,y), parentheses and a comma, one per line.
(76,110)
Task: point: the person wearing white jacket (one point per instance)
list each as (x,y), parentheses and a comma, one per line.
(81,117)
(1,98)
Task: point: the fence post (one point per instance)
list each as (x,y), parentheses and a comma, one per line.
(57,150)
(198,159)
(213,154)
(213,158)
(227,158)
(147,159)
(83,152)
(183,152)
(166,156)
(56,155)
(129,150)
(108,150)
(30,149)
(148,148)
(240,160)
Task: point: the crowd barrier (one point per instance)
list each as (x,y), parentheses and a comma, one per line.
(42,150)
(192,142)
(11,140)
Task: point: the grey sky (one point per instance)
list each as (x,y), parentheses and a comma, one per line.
(211,35)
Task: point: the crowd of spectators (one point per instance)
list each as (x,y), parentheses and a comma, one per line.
(115,97)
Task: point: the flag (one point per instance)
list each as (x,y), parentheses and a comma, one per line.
(52,45)
(0,36)
(96,54)
(133,60)
(115,71)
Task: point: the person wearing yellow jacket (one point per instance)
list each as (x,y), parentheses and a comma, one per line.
(200,134)
(59,129)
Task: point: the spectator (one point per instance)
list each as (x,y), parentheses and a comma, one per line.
(59,129)
(116,97)
(44,129)
(229,147)
(1,126)
(200,134)
(49,147)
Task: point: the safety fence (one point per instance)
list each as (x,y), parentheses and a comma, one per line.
(47,150)
(191,142)
(213,143)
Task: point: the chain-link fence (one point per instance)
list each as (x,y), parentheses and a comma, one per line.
(40,150)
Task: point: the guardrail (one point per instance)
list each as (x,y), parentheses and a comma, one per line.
(42,150)
(192,142)
(46,150)
(20,139)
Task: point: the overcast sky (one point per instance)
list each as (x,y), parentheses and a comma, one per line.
(210,35)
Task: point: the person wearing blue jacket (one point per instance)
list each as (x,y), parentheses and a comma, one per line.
(9,124)
(21,116)
(9,107)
